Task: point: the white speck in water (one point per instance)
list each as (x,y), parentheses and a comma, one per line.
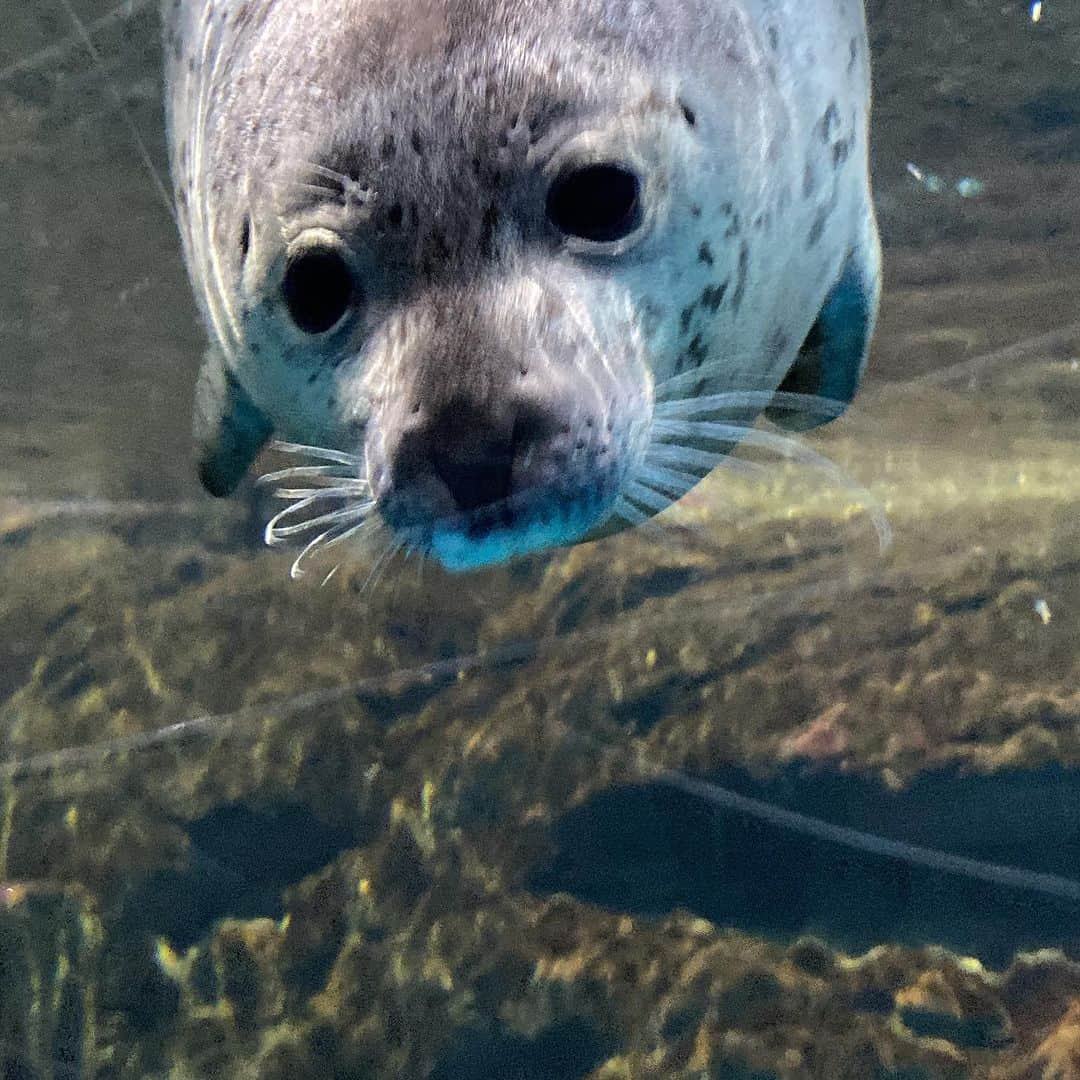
(1036,10)
(1042,609)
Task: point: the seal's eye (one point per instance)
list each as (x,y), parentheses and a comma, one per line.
(600,203)
(318,289)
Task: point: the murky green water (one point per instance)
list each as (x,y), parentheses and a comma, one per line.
(419,827)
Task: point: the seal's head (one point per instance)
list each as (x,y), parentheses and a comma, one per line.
(472,246)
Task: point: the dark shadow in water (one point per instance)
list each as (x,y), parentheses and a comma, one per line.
(240,862)
(562,1052)
(650,849)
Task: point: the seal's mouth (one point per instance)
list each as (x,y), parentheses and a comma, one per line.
(524,523)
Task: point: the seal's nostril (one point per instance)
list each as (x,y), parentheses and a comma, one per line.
(478,477)
(475,451)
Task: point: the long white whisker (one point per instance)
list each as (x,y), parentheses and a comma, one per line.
(319,493)
(785,447)
(349,533)
(628,512)
(641,493)
(685,455)
(323,452)
(296,570)
(274,531)
(748,399)
(347,515)
(392,548)
(706,460)
(305,472)
(671,480)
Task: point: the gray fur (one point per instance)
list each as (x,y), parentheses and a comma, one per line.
(746,119)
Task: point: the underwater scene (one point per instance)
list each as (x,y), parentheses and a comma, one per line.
(780,783)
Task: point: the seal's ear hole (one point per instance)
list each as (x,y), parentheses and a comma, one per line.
(601,203)
(318,289)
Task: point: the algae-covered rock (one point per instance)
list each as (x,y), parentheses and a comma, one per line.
(50,943)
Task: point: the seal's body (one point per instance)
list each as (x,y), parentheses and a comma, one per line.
(468,239)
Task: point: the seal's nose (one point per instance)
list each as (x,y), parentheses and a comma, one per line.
(476,453)
(473,457)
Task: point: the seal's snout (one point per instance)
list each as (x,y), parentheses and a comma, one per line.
(477,480)
(475,454)
(472,457)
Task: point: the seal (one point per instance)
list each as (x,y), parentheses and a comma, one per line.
(524,271)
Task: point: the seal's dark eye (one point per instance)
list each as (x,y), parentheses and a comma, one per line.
(596,202)
(318,289)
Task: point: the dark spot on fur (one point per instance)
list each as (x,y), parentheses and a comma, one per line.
(840,152)
(809,181)
(245,237)
(395,215)
(774,38)
(417,141)
(487,230)
(778,342)
(853,54)
(696,350)
(713,296)
(829,119)
(652,315)
(688,114)
(389,146)
(734,228)
(685,316)
(705,254)
(740,277)
(818,227)
(695,210)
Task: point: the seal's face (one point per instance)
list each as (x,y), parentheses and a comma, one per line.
(482,342)
(471,264)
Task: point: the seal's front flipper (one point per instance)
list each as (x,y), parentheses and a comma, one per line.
(228,427)
(833,356)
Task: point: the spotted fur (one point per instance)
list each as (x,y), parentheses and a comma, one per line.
(421,138)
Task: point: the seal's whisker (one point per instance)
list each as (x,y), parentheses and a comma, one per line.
(664,479)
(349,514)
(676,408)
(349,188)
(326,580)
(275,531)
(322,452)
(340,492)
(394,545)
(353,530)
(628,512)
(330,174)
(691,456)
(646,496)
(783,446)
(308,472)
(706,460)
